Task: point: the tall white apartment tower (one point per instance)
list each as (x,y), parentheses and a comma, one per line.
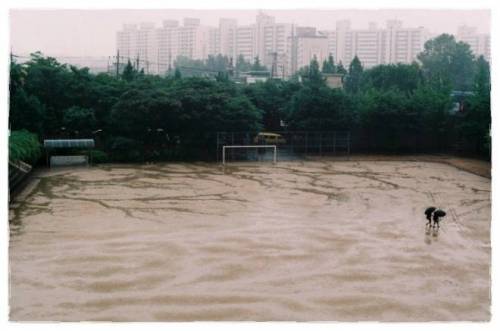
(193,39)
(167,37)
(138,45)
(227,37)
(213,41)
(271,43)
(343,42)
(306,45)
(479,43)
(402,45)
(331,35)
(245,42)
(367,45)
(374,46)
(263,21)
(126,41)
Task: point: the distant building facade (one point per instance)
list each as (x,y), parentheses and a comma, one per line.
(138,42)
(167,41)
(282,47)
(245,42)
(306,45)
(479,42)
(374,46)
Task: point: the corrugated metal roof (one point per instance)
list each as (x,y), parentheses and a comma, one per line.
(68,143)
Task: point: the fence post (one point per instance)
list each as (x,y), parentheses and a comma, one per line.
(321,143)
(307,133)
(217,149)
(232,143)
(349,143)
(334,142)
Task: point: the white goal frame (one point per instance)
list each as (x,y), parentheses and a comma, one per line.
(247,146)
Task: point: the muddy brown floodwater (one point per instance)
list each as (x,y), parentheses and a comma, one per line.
(299,241)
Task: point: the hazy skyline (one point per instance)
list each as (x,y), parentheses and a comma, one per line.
(93,32)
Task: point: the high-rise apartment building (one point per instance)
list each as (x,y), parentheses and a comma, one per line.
(193,39)
(275,46)
(227,37)
(156,49)
(307,44)
(126,40)
(402,45)
(138,44)
(368,45)
(479,42)
(167,37)
(213,41)
(282,47)
(262,31)
(343,41)
(375,46)
(245,42)
(331,35)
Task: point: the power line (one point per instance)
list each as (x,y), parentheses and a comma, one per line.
(120,60)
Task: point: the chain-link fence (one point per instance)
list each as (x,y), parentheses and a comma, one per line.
(290,144)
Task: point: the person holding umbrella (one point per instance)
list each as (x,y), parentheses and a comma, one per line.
(436,217)
(428,214)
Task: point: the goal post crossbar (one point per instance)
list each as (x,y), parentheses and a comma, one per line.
(247,146)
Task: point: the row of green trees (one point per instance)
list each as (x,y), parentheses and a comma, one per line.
(134,117)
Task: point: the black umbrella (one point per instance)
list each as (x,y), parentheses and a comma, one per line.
(428,212)
(437,214)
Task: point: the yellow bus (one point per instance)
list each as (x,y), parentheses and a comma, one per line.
(269,138)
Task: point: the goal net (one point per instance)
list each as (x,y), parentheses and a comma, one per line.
(259,152)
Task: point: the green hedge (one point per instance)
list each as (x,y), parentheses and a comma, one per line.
(24,146)
(99,156)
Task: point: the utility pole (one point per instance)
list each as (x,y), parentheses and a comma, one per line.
(231,68)
(117,63)
(274,66)
(169,61)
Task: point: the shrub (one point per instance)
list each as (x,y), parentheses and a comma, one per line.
(99,156)
(24,146)
(125,149)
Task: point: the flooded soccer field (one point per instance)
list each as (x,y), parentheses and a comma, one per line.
(296,241)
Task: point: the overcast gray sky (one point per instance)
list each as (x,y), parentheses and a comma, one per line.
(92,32)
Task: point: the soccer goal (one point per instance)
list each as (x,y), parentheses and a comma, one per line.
(226,147)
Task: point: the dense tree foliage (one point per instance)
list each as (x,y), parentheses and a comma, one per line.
(24,146)
(315,108)
(328,66)
(341,69)
(257,66)
(242,65)
(311,75)
(273,98)
(406,78)
(354,76)
(137,117)
(475,124)
(448,62)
